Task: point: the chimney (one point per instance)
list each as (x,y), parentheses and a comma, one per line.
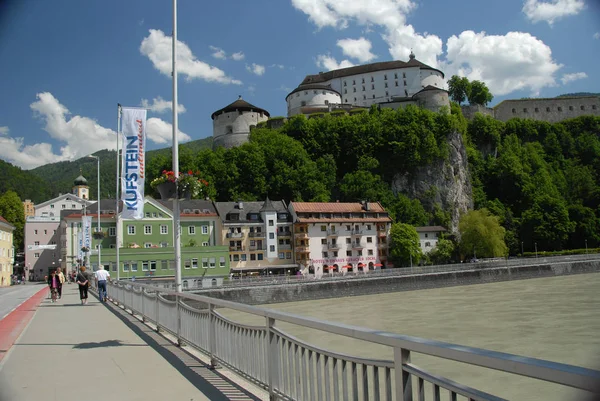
(240,205)
(366,203)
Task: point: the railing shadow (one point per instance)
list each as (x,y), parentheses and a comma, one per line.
(186,364)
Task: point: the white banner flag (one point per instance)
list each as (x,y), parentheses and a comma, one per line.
(133,162)
(87,231)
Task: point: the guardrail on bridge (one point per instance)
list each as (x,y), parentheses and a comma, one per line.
(291,369)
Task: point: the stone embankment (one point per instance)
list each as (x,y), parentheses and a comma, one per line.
(310,290)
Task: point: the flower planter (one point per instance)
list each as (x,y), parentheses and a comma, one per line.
(167,190)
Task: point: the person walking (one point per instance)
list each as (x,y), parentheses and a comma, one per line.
(102,276)
(53,283)
(84,282)
(61,281)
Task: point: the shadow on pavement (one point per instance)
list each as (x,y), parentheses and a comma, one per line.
(186,364)
(90,345)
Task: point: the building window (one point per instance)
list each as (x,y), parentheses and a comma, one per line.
(205,263)
(126,267)
(353,82)
(271,223)
(147,230)
(212,263)
(548,109)
(145,266)
(303,103)
(148,245)
(582,107)
(325,255)
(326,101)
(363,88)
(593,107)
(404,75)
(134,266)
(385,77)
(395,75)
(36,255)
(164,244)
(364,97)
(36,243)
(344,83)
(112,231)
(345,91)
(570,108)
(363,80)
(187,264)
(51,206)
(373,96)
(514,111)
(164,265)
(560,109)
(354,90)
(348,253)
(205,243)
(370,252)
(396,83)
(260,256)
(131,230)
(222,261)
(536,110)
(204,229)
(153,265)
(64,206)
(404,83)
(252,256)
(164,229)
(323,241)
(272,248)
(355,99)
(194,263)
(386,85)
(192,230)
(525,110)
(35,232)
(373,87)
(369,240)
(386,93)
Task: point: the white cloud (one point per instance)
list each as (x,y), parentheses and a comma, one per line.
(330,63)
(238,56)
(157,47)
(285,88)
(256,69)
(515,61)
(552,10)
(359,49)
(280,66)
(403,39)
(218,53)
(159,105)
(597,35)
(4,130)
(161,132)
(566,78)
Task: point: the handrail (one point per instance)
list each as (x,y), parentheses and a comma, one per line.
(555,372)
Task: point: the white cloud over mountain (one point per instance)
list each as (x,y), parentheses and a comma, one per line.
(76,135)
(159,105)
(256,69)
(157,47)
(566,78)
(359,49)
(551,11)
(509,62)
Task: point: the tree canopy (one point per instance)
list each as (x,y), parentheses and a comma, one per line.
(11,208)
(404,245)
(476,92)
(481,235)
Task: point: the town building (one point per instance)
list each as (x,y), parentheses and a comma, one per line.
(42,237)
(429,236)
(146,246)
(259,236)
(333,235)
(391,84)
(232,123)
(7,252)
(28,208)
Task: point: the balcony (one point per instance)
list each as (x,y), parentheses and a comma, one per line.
(285,247)
(237,249)
(257,248)
(382,229)
(301,234)
(382,245)
(356,245)
(357,232)
(235,235)
(333,246)
(284,234)
(302,248)
(256,234)
(332,233)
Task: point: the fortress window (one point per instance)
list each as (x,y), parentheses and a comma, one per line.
(229,129)
(582,107)
(537,110)
(353,82)
(395,75)
(344,83)
(372,80)
(345,100)
(323,92)
(404,75)
(396,83)
(404,83)
(364,97)
(354,90)
(355,99)
(548,109)
(303,103)
(386,85)
(345,91)
(314,92)
(363,80)
(570,108)
(373,96)
(363,88)
(593,107)
(326,101)
(373,87)
(525,110)
(514,111)
(560,109)
(405,92)
(385,77)
(306,92)
(387,93)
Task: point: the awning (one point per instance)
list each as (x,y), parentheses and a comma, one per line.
(378,264)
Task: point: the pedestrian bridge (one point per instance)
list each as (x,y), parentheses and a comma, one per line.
(134,345)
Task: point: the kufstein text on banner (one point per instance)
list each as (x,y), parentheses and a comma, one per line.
(86,223)
(133,162)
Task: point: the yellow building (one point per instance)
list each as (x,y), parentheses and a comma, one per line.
(28,208)
(7,256)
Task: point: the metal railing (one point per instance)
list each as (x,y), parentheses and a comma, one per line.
(291,369)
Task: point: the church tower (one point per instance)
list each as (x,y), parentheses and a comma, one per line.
(81,188)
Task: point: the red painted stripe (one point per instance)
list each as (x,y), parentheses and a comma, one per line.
(15,322)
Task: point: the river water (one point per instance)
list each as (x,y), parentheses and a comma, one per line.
(556,318)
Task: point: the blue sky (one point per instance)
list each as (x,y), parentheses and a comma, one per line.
(66,64)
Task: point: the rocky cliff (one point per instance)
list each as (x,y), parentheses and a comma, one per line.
(445,182)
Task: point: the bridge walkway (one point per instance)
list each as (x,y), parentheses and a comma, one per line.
(70,352)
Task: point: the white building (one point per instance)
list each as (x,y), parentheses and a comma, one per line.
(429,236)
(365,85)
(232,123)
(331,235)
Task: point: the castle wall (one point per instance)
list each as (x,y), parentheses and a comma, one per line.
(469,111)
(232,129)
(310,97)
(433,100)
(550,110)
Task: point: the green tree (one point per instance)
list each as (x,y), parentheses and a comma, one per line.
(442,253)
(479,94)
(481,234)
(404,244)
(459,88)
(11,208)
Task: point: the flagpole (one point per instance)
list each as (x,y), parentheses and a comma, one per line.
(176,216)
(117,192)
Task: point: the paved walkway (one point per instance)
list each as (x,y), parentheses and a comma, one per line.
(98,352)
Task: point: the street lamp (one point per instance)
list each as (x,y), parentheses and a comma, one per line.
(536,250)
(586,246)
(98,205)
(522,253)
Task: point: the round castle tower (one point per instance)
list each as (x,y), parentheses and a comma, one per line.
(232,123)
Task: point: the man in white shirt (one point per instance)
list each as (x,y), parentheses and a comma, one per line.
(102,276)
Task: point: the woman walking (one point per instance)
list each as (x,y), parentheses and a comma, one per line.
(84,283)
(53,283)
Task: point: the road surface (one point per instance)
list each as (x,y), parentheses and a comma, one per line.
(13,296)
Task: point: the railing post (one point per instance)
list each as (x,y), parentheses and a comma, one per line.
(403,379)
(272,359)
(156,308)
(179,342)
(212,337)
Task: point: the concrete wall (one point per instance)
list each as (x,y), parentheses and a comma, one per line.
(375,285)
(550,110)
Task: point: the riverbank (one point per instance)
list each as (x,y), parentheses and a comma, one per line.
(280,293)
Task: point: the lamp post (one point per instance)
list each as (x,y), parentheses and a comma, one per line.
(536,250)
(175,156)
(586,246)
(98,205)
(522,253)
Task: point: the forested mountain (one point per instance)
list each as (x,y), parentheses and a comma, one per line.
(23,182)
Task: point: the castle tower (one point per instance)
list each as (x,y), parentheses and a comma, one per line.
(80,187)
(232,124)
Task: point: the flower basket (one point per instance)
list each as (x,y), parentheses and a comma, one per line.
(167,190)
(85,249)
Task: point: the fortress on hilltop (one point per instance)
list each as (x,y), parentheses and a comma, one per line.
(389,84)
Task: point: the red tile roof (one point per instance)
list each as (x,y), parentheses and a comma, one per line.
(3,220)
(336,207)
(345,220)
